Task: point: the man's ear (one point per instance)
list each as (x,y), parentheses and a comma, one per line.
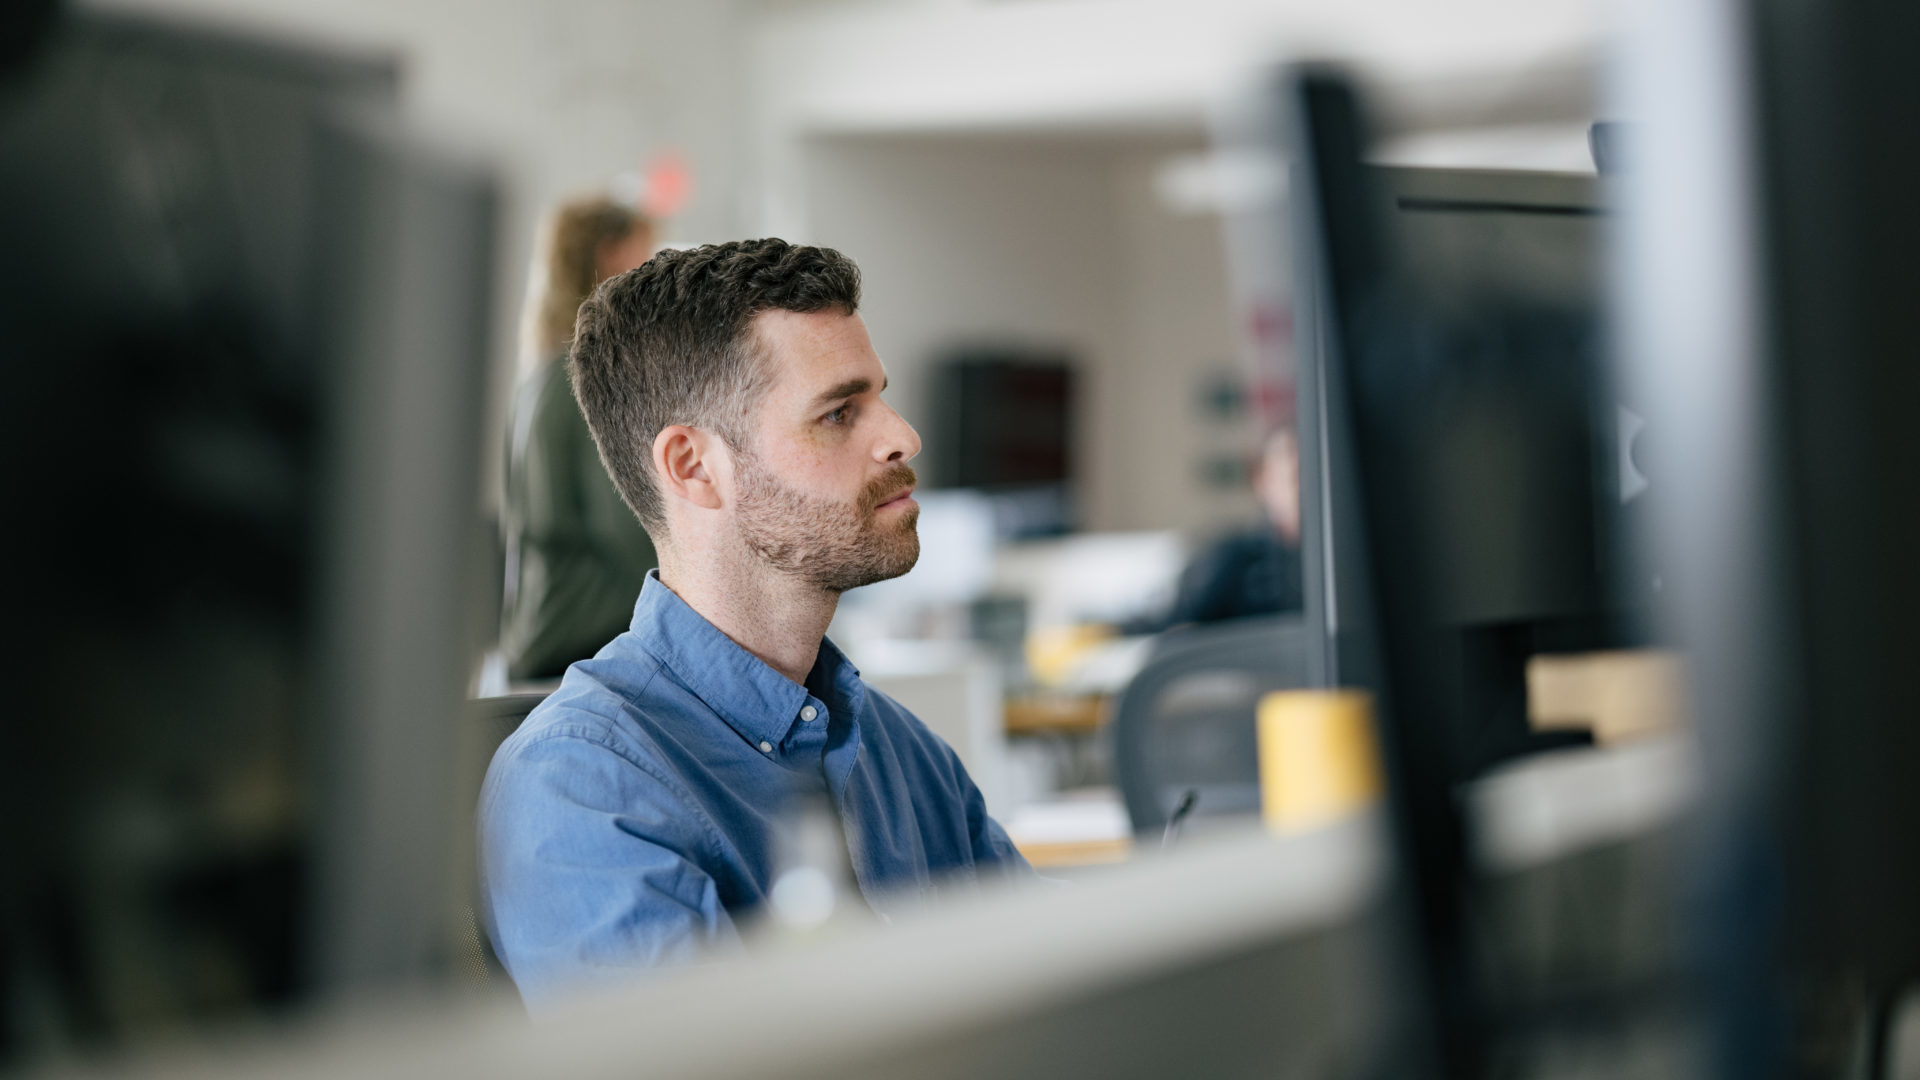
(689,463)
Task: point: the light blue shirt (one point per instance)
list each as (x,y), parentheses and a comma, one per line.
(632,819)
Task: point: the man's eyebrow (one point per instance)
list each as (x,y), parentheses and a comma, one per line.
(854,386)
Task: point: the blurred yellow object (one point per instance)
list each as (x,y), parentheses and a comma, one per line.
(1053,651)
(1318,758)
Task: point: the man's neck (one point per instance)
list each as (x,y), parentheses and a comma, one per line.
(774,617)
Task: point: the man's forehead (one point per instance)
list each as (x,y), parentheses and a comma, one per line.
(813,351)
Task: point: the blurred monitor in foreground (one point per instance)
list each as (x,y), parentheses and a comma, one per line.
(1766,288)
(246,332)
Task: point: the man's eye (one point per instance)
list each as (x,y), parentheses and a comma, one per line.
(837,416)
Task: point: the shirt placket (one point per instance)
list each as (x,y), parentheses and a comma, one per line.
(807,736)
(842,757)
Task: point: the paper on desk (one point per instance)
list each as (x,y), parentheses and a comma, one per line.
(1082,818)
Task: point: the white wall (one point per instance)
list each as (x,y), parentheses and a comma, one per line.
(1178,324)
(919,66)
(1054,243)
(1051,238)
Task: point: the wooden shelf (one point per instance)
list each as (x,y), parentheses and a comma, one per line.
(1055,715)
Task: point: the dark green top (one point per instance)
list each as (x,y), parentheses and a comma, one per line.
(576,556)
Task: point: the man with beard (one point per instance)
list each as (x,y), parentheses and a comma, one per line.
(635,817)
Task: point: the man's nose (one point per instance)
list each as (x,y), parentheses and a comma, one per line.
(899,442)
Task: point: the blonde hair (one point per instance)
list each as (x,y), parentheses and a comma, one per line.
(567,267)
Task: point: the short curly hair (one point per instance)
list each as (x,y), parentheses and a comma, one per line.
(672,342)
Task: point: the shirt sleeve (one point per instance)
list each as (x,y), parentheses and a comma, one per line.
(992,847)
(991,844)
(589,868)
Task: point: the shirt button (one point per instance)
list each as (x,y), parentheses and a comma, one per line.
(809,713)
(766,748)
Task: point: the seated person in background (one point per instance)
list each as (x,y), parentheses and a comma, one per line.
(630,821)
(575,555)
(1255,571)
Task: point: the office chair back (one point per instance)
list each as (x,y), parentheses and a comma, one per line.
(1187,721)
(487,722)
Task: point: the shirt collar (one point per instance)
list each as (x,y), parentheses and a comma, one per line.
(839,673)
(757,701)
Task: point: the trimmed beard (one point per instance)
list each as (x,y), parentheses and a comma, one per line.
(831,545)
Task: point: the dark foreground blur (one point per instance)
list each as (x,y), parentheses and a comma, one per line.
(244,327)
(1660,417)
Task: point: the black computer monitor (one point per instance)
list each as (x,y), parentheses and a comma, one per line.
(1502,453)
(1467,479)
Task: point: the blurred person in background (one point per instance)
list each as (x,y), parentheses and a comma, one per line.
(635,817)
(575,554)
(1255,570)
